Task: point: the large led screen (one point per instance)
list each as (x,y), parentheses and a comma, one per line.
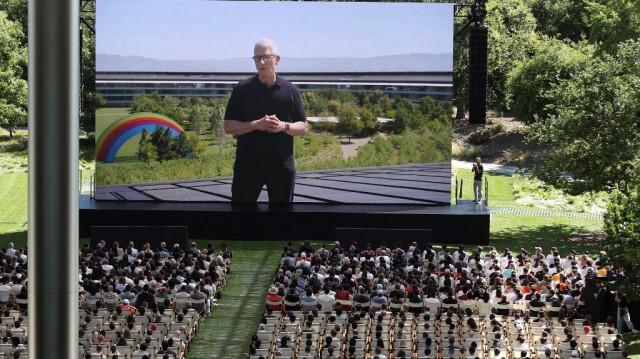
(375,80)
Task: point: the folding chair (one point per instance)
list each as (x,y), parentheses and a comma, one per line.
(396,307)
(552,311)
(291,304)
(507,307)
(179,303)
(308,305)
(453,306)
(565,353)
(345,303)
(416,305)
(471,304)
(326,305)
(614,354)
(125,350)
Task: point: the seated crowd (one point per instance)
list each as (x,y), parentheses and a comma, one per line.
(383,303)
(144,303)
(13,302)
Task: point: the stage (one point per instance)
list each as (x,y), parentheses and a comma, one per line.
(398,204)
(465,222)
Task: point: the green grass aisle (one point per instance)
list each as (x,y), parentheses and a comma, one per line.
(227,332)
(13,208)
(633,345)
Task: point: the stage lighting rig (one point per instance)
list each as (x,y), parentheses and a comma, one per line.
(88,14)
(474,13)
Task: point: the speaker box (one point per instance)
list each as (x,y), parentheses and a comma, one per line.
(478,36)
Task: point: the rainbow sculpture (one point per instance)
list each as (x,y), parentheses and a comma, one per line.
(114,136)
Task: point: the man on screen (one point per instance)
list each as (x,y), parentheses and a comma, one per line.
(265,112)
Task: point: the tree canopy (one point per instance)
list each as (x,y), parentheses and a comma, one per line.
(13,86)
(622,224)
(593,130)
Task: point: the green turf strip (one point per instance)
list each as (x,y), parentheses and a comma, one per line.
(633,345)
(227,332)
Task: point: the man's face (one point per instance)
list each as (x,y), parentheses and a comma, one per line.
(267,67)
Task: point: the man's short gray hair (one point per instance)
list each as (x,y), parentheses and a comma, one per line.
(267,43)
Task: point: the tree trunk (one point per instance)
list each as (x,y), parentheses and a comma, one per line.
(460,112)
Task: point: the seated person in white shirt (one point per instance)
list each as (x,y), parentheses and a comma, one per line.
(5,289)
(142,350)
(496,354)
(520,344)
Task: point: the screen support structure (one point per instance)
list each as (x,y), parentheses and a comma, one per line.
(53,178)
(478,53)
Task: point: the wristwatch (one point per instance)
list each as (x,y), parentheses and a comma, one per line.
(286,127)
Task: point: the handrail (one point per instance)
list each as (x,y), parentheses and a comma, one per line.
(486,191)
(455,193)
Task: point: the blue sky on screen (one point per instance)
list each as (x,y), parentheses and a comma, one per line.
(196,30)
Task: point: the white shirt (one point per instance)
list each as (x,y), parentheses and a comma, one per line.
(16,289)
(484,308)
(521,347)
(327,298)
(4,292)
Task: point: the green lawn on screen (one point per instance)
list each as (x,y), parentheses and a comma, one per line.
(104,118)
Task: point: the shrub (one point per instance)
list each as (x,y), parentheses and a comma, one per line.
(464,151)
(534,77)
(479,138)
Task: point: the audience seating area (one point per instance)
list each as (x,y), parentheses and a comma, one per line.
(421,303)
(144,303)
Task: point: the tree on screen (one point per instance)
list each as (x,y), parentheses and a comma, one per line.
(348,122)
(146,150)
(161,139)
(200,118)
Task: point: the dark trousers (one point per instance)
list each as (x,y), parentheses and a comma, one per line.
(247,186)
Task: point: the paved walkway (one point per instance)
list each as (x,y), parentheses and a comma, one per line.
(544,213)
(488,167)
(351,149)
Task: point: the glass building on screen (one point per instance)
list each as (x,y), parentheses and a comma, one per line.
(119,88)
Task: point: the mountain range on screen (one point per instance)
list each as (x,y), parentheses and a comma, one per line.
(388,63)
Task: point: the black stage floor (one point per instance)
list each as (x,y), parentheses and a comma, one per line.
(418,184)
(397,204)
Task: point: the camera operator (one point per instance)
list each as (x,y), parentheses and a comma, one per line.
(478,170)
(623,316)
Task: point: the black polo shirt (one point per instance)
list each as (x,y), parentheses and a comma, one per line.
(260,150)
(477,176)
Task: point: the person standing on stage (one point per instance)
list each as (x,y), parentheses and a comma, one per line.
(265,112)
(478,170)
